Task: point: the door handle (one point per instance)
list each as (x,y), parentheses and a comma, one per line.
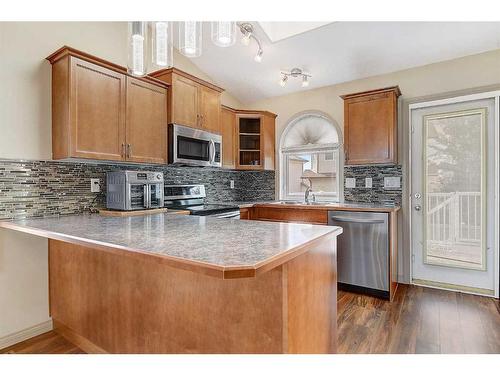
(129,150)
(356,221)
(418,207)
(211,151)
(124,152)
(146,196)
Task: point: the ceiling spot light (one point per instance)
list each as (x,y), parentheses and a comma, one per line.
(295,73)
(247,32)
(305,81)
(283,80)
(258,56)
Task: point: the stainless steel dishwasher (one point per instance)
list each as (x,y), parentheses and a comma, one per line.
(362,251)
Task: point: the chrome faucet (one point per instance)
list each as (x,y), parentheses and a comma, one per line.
(307,193)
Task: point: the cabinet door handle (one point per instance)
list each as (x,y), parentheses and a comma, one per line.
(129,150)
(201,118)
(123,153)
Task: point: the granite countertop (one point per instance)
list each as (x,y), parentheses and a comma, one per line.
(219,247)
(346,206)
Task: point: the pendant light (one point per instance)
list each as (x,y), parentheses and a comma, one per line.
(162,45)
(223,33)
(136,48)
(190,38)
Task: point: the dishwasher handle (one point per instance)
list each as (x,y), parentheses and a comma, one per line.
(356,221)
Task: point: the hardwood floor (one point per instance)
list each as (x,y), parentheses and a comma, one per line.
(47,343)
(419,320)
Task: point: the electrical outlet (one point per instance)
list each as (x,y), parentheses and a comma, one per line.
(231,184)
(368,182)
(95,185)
(392,182)
(350,183)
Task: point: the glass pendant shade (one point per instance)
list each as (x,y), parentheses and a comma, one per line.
(136,48)
(223,33)
(162,45)
(190,38)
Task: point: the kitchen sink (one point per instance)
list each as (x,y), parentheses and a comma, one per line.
(304,203)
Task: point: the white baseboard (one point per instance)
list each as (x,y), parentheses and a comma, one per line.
(25,334)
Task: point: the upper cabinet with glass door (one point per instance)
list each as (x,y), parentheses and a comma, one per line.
(370,126)
(192,101)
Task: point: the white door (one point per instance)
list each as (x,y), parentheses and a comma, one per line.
(453,201)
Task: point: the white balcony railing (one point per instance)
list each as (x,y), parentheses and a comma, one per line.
(454,217)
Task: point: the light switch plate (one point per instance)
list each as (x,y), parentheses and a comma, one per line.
(95,185)
(350,183)
(368,182)
(392,182)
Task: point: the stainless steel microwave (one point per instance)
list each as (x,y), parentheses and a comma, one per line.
(188,146)
(134,190)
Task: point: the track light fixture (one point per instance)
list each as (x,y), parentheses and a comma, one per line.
(247,32)
(295,73)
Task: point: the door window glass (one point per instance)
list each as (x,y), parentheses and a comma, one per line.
(454,173)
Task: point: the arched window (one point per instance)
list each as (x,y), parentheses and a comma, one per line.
(309,157)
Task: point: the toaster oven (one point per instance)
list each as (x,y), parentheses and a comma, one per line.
(134,190)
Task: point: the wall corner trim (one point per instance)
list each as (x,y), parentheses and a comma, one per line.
(25,334)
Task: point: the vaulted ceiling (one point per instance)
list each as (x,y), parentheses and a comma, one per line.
(338,52)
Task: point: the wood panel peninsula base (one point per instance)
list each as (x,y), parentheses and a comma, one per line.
(106,302)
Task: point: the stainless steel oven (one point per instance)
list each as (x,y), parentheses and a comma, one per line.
(188,146)
(134,190)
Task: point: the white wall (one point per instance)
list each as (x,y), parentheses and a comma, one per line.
(25,133)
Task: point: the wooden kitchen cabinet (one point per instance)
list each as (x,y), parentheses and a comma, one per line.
(184,102)
(192,101)
(228,129)
(209,109)
(289,214)
(146,125)
(100,112)
(88,111)
(248,139)
(268,141)
(255,140)
(370,126)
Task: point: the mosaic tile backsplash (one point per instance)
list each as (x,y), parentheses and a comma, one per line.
(43,188)
(376,194)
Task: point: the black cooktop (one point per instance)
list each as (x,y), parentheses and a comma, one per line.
(205,209)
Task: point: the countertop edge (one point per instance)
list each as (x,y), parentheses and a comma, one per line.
(320,207)
(222,272)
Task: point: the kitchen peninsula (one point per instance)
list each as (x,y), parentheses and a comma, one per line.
(183,284)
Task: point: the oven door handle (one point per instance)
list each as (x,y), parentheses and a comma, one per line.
(211,151)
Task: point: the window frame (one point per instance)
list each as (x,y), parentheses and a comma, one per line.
(285,152)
